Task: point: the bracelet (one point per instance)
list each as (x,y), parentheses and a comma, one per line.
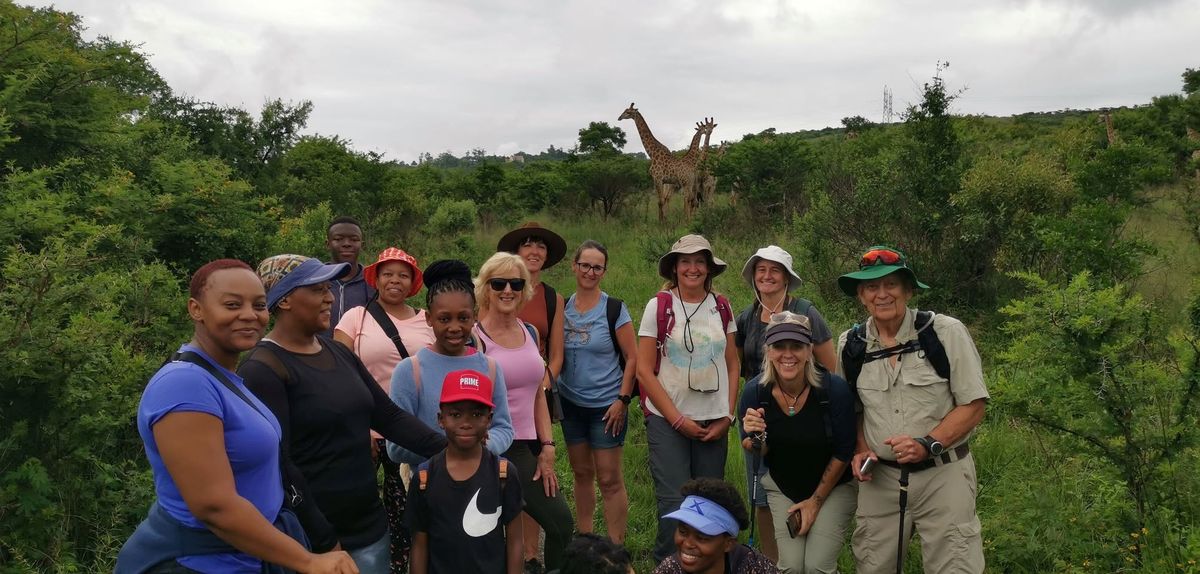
(678,422)
(547,443)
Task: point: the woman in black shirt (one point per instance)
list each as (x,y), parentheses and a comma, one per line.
(802,423)
(327,403)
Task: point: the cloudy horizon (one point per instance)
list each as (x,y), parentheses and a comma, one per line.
(404,78)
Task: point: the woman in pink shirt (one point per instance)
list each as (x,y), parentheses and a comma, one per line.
(502,288)
(383,333)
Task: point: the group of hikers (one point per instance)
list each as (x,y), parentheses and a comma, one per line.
(266,445)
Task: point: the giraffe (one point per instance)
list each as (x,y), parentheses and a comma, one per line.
(1110,131)
(667,170)
(705,184)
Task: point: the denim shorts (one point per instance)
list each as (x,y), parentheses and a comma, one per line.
(586,425)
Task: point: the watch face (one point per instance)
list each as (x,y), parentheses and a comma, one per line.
(936,448)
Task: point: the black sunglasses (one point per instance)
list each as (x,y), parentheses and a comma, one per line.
(498,283)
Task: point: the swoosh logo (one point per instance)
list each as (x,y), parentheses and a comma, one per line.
(477,524)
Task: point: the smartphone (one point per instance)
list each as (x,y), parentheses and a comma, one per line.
(867,465)
(793,524)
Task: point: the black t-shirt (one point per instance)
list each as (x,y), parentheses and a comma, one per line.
(327,403)
(465,519)
(798,449)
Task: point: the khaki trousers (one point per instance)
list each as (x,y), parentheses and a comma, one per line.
(941,507)
(816,552)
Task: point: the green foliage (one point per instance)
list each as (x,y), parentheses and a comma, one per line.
(607,179)
(601,137)
(304,234)
(79,338)
(768,172)
(1091,364)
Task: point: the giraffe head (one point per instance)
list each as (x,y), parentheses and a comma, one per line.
(629,113)
(706,127)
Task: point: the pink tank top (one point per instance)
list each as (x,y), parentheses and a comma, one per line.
(523,370)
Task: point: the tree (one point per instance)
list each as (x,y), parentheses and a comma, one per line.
(608,178)
(1093,366)
(599,136)
(857,124)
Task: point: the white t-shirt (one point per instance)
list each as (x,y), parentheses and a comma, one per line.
(684,374)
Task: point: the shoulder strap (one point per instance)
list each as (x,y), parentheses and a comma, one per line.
(416,374)
(931,345)
(389,328)
(533,334)
(853,352)
(612,312)
(725,311)
(666,321)
(423,474)
(195,359)
(551,308)
(801,306)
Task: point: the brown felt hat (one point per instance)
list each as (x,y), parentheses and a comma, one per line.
(556,247)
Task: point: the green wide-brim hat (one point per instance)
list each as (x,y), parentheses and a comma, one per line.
(877,268)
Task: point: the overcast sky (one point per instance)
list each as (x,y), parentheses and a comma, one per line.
(405,77)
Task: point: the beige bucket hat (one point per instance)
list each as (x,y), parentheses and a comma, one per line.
(687,245)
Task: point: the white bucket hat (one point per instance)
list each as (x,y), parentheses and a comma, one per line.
(775,254)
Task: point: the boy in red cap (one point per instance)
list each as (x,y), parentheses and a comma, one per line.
(463,507)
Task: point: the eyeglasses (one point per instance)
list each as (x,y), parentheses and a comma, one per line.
(880,257)
(589,268)
(498,283)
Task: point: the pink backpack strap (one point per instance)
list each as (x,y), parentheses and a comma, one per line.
(416,374)
(665,322)
(725,311)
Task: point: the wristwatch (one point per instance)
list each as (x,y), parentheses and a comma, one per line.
(625,399)
(732,419)
(932,446)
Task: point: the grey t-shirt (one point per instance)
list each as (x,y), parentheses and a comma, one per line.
(751,332)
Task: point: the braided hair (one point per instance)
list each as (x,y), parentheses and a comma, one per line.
(447,276)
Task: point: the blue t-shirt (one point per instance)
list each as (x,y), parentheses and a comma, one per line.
(251,442)
(591,375)
(425,401)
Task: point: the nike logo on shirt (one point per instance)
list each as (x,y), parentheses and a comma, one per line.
(477,524)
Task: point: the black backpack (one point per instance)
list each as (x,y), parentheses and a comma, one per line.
(926,345)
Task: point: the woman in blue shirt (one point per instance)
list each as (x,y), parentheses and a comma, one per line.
(596,388)
(214,448)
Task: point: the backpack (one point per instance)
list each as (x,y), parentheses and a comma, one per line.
(927,345)
(551,308)
(612,313)
(423,473)
(666,322)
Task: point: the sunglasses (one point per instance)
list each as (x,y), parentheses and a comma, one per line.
(498,284)
(880,257)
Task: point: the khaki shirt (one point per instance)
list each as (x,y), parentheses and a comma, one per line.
(910,398)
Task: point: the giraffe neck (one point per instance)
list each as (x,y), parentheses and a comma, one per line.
(694,147)
(704,148)
(653,147)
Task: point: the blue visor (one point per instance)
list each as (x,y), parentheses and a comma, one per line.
(706,516)
(310,272)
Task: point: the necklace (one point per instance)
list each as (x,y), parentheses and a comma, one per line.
(795,399)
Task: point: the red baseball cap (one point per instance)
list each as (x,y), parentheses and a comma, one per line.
(467,385)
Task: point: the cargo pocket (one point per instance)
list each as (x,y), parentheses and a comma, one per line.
(966,548)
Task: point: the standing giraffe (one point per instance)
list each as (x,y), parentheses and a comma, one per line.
(667,170)
(706,184)
(1110,131)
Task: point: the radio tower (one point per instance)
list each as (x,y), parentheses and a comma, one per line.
(887,105)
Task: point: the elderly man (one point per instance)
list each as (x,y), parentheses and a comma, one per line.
(920,381)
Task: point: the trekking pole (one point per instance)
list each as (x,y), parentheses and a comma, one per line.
(903,507)
(756,442)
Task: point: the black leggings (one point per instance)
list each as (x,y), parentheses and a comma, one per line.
(551,513)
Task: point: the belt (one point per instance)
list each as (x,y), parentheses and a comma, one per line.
(947,457)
